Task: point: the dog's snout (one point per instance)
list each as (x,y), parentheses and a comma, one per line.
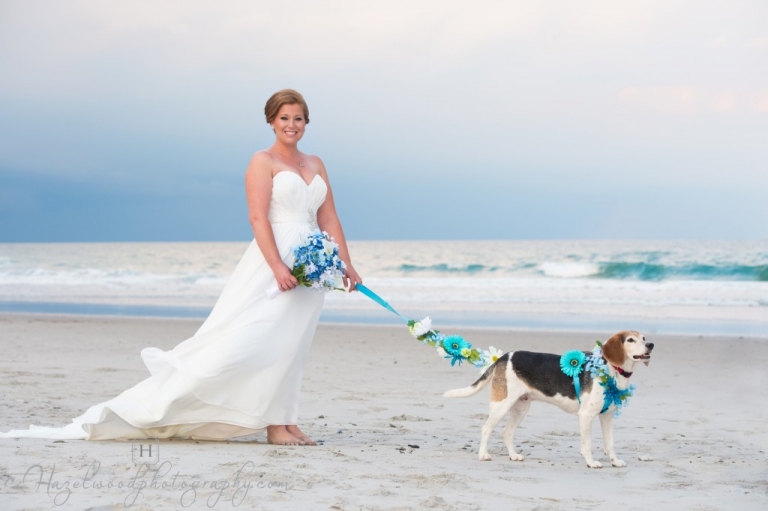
(649,345)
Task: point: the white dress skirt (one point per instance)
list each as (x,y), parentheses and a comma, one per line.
(242,370)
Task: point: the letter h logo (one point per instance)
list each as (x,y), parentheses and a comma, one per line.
(145,451)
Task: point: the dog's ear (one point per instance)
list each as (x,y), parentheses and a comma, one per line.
(613,350)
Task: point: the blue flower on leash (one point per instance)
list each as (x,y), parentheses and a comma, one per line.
(572,362)
(453,346)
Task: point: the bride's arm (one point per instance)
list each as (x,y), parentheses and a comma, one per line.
(328,220)
(258,192)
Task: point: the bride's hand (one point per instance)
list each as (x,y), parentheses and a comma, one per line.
(285,279)
(351,278)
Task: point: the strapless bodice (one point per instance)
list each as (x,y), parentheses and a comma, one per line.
(295,201)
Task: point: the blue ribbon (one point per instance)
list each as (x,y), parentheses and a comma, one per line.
(376,298)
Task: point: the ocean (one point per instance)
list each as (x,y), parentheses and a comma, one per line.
(692,287)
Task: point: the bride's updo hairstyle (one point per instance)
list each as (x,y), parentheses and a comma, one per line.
(284,97)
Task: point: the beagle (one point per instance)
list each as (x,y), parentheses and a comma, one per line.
(519,377)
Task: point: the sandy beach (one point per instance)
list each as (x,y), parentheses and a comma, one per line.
(694,435)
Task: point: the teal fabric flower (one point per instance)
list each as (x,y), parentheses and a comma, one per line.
(614,396)
(453,346)
(572,362)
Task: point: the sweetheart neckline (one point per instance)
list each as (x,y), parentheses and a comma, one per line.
(297,175)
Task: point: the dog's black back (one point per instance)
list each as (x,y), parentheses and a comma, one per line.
(542,372)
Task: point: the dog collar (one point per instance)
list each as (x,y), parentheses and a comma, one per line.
(625,374)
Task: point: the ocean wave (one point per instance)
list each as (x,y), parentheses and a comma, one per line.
(616,270)
(654,272)
(658,272)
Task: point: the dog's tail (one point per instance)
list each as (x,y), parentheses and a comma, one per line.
(478,385)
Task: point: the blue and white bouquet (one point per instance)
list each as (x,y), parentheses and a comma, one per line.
(316,264)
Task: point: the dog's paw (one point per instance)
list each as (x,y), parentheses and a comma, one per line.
(484,457)
(516,457)
(594,464)
(619,463)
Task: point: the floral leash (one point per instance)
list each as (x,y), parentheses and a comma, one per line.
(452,347)
(574,362)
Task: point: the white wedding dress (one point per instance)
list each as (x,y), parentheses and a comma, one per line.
(242,370)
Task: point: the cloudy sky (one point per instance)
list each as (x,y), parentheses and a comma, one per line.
(134,120)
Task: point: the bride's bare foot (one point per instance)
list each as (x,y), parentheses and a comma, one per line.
(295,431)
(279,435)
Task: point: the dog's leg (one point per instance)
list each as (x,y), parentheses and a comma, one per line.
(606,424)
(585,427)
(516,415)
(498,409)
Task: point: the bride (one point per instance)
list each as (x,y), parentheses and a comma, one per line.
(241,372)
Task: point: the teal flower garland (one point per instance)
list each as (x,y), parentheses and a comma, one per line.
(615,396)
(454,347)
(572,364)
